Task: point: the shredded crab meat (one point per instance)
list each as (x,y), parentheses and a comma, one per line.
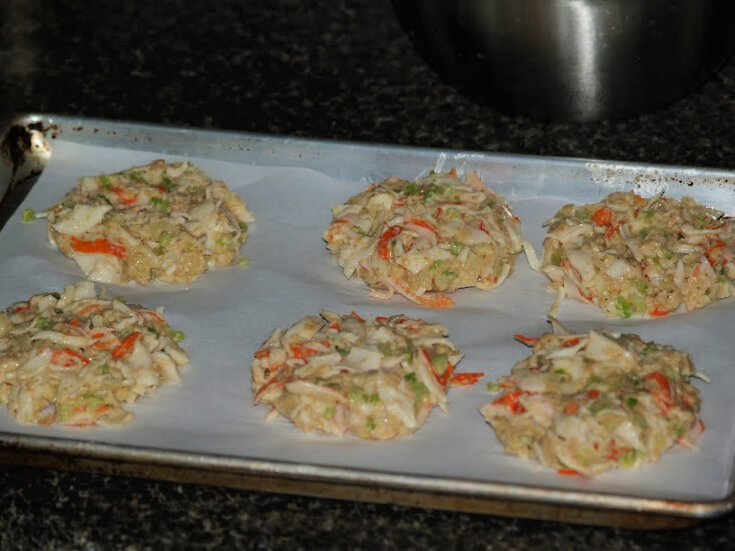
(376,379)
(424,238)
(640,257)
(78,359)
(585,403)
(162,221)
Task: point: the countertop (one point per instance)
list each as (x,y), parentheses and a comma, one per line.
(317,69)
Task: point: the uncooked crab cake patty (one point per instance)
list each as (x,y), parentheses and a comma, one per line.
(636,256)
(337,373)
(77,359)
(587,403)
(425,237)
(163,221)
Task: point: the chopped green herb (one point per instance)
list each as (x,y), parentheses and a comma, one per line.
(28,215)
(104,369)
(176,335)
(631,402)
(136,176)
(594,380)
(371,424)
(598,406)
(434,265)
(153,330)
(243,227)
(344,352)
(329,412)
(168,185)
(493,387)
(582,214)
(449,274)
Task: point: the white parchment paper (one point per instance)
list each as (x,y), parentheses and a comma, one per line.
(228,313)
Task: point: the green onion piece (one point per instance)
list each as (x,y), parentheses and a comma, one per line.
(412,188)
(598,406)
(371,424)
(43,323)
(455,247)
(493,387)
(629,458)
(623,307)
(28,215)
(177,335)
(165,239)
(631,402)
(384,348)
(372,398)
(93,401)
(104,369)
(417,386)
(105,182)
(344,352)
(440,362)
(243,227)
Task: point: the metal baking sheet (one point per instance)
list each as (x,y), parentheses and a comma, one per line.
(208,424)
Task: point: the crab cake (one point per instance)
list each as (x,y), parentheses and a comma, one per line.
(377,379)
(164,222)
(78,359)
(426,237)
(588,403)
(631,255)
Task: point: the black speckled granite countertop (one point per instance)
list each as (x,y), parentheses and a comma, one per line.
(310,69)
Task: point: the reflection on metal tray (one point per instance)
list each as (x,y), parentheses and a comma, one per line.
(31,140)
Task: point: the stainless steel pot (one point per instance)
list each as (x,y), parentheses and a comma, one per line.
(572,59)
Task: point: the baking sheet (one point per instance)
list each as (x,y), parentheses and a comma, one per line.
(290,187)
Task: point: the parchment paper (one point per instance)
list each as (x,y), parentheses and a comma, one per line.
(228,313)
